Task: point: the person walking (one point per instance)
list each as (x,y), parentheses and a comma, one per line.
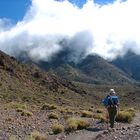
(111,102)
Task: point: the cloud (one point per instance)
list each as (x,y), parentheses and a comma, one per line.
(108,30)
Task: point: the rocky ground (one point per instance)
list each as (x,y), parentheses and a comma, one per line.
(126,132)
(13,123)
(101,131)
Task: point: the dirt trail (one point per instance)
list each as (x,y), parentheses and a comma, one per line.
(100,131)
(126,132)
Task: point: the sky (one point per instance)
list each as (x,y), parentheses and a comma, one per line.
(42,28)
(16,9)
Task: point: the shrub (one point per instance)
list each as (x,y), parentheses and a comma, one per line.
(131,111)
(48,107)
(87,114)
(15,105)
(90,109)
(124,116)
(37,136)
(62,110)
(57,128)
(13,138)
(99,111)
(26,113)
(69,111)
(66,117)
(52,116)
(19,110)
(76,123)
(101,117)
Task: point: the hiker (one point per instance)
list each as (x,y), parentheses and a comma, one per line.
(111,102)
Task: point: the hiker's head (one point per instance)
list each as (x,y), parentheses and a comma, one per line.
(112,92)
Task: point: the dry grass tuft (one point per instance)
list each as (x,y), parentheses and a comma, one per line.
(57,128)
(76,123)
(37,136)
(88,114)
(52,116)
(49,107)
(102,117)
(99,111)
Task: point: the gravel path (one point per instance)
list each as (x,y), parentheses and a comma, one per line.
(101,131)
(126,132)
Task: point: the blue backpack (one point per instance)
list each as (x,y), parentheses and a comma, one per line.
(110,101)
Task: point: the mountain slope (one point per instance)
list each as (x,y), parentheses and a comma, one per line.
(130,64)
(92,69)
(26,83)
(104,72)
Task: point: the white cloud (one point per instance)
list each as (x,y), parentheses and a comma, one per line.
(111,29)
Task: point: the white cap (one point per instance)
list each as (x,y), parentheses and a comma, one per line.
(112,91)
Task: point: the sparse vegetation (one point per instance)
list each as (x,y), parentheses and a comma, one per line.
(52,116)
(26,113)
(15,105)
(25,88)
(99,111)
(102,117)
(49,107)
(76,123)
(37,136)
(57,128)
(13,138)
(126,115)
(88,114)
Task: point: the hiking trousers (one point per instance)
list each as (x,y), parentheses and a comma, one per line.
(112,111)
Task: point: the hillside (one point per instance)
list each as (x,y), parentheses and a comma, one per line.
(32,101)
(92,69)
(104,72)
(27,83)
(130,64)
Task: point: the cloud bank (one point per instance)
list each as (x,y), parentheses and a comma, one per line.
(50,26)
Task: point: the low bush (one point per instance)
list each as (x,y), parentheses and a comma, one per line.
(37,136)
(15,105)
(88,114)
(76,123)
(57,128)
(99,111)
(131,111)
(48,107)
(19,110)
(52,116)
(102,117)
(124,116)
(26,113)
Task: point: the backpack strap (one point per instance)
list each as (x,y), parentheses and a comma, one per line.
(111,101)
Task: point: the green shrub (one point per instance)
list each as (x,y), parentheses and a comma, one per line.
(52,116)
(87,114)
(76,123)
(124,116)
(57,128)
